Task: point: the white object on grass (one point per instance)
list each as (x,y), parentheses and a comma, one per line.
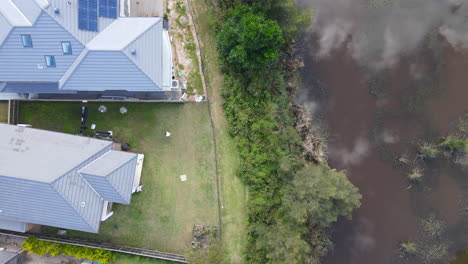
(93,126)
(183,177)
(102,109)
(199,98)
(168,134)
(139,189)
(123,110)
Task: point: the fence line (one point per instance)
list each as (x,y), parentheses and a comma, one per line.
(110,247)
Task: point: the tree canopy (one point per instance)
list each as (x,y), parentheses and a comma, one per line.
(248,40)
(320,195)
(285,244)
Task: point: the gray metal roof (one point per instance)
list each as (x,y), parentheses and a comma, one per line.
(67,200)
(13,226)
(108,176)
(136,46)
(6,256)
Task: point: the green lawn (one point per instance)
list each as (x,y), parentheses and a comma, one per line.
(3,112)
(129,259)
(163,215)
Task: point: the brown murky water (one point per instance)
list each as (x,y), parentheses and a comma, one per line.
(366,133)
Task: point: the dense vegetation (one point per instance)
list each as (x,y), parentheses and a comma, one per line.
(40,247)
(292,200)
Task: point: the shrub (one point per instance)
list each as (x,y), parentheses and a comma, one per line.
(454,145)
(40,247)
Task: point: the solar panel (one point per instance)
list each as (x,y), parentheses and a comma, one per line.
(88,15)
(108,8)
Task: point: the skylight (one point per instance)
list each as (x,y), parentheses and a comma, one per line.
(50,61)
(66,47)
(27,41)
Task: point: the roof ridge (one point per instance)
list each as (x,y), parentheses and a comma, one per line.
(136,64)
(111,172)
(72,68)
(124,164)
(52,184)
(142,33)
(14,7)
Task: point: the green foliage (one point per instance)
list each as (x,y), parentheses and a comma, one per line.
(248,40)
(40,247)
(319,195)
(291,19)
(454,145)
(289,203)
(283,243)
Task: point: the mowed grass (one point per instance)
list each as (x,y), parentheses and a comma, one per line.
(234,193)
(3,112)
(129,259)
(162,216)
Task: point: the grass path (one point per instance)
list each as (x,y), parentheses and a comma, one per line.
(233,192)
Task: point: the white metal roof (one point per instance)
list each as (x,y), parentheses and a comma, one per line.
(13,14)
(39,155)
(122,32)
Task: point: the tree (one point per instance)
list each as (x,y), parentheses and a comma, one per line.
(319,195)
(248,40)
(283,243)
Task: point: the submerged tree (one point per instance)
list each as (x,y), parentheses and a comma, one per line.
(248,40)
(427,150)
(408,249)
(432,226)
(402,159)
(435,252)
(319,195)
(415,175)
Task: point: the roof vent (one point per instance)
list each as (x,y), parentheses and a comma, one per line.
(56,10)
(83,204)
(133,51)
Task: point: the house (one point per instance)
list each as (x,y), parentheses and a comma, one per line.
(61,180)
(8,257)
(82,49)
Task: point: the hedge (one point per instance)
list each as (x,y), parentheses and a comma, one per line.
(40,247)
